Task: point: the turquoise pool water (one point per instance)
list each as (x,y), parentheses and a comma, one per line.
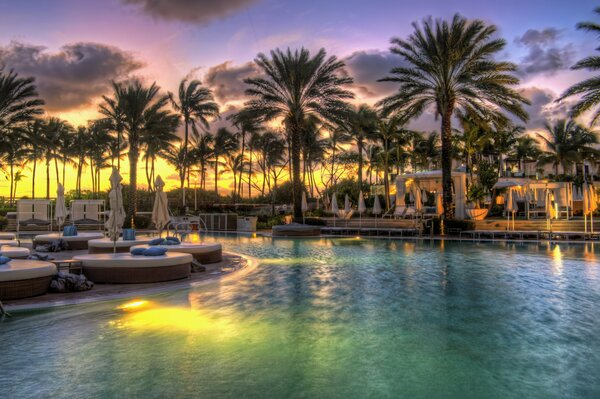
(332,318)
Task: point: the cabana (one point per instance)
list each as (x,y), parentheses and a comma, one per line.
(562,192)
(34,214)
(89,213)
(430,181)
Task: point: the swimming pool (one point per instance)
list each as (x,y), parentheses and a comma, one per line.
(332,318)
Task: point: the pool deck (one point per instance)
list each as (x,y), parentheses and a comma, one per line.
(104,292)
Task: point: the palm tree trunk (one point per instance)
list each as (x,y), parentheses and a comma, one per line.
(296,183)
(133,160)
(148,176)
(360,162)
(33,178)
(12,179)
(240,193)
(216,174)
(250,174)
(447,162)
(47,177)
(185,156)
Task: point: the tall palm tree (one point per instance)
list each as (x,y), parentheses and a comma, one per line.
(361,124)
(226,142)
(297,86)
(589,88)
(18,100)
(141,107)
(201,154)
(34,135)
(246,122)
(566,143)
(12,156)
(196,105)
(54,130)
(526,149)
(387,131)
(451,66)
(113,110)
(156,143)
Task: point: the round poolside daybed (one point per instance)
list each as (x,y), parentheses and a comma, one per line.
(202,252)
(80,241)
(296,230)
(25,278)
(135,269)
(7,236)
(14,252)
(10,243)
(106,245)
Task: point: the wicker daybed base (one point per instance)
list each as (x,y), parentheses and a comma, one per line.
(203,253)
(73,245)
(136,275)
(24,288)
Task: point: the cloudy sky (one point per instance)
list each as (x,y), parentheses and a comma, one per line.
(75,48)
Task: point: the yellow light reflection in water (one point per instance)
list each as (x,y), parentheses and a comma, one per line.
(557,263)
(134,305)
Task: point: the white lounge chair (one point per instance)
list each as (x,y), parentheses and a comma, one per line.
(89,213)
(34,215)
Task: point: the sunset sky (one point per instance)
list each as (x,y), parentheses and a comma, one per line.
(75,48)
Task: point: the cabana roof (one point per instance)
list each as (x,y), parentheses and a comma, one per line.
(430,174)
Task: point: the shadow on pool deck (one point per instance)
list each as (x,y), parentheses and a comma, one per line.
(103,292)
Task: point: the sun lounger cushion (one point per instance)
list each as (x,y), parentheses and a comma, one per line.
(156,241)
(4,259)
(138,251)
(172,241)
(128,235)
(69,231)
(155,251)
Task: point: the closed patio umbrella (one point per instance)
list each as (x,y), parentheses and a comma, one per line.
(550,214)
(304,205)
(376,208)
(347,208)
(361,207)
(439,206)
(160,210)
(116,215)
(590,204)
(334,207)
(510,207)
(60,212)
(418,198)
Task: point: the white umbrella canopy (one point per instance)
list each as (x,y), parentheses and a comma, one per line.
(304,203)
(160,210)
(362,208)
(347,207)
(590,204)
(116,215)
(418,199)
(60,212)
(377,206)
(334,205)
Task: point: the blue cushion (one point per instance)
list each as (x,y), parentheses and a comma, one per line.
(128,235)
(4,259)
(156,241)
(155,251)
(70,231)
(138,251)
(172,241)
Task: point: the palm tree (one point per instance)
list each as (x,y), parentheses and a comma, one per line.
(141,107)
(525,150)
(296,87)
(589,88)
(246,123)
(156,143)
(176,157)
(18,100)
(503,142)
(34,135)
(201,153)
(196,105)
(566,143)
(13,152)
(54,130)
(225,142)
(361,124)
(387,131)
(114,118)
(475,136)
(451,66)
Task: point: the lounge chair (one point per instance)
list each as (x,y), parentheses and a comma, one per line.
(404,212)
(34,214)
(88,213)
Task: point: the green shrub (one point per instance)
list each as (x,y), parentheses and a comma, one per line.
(3,222)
